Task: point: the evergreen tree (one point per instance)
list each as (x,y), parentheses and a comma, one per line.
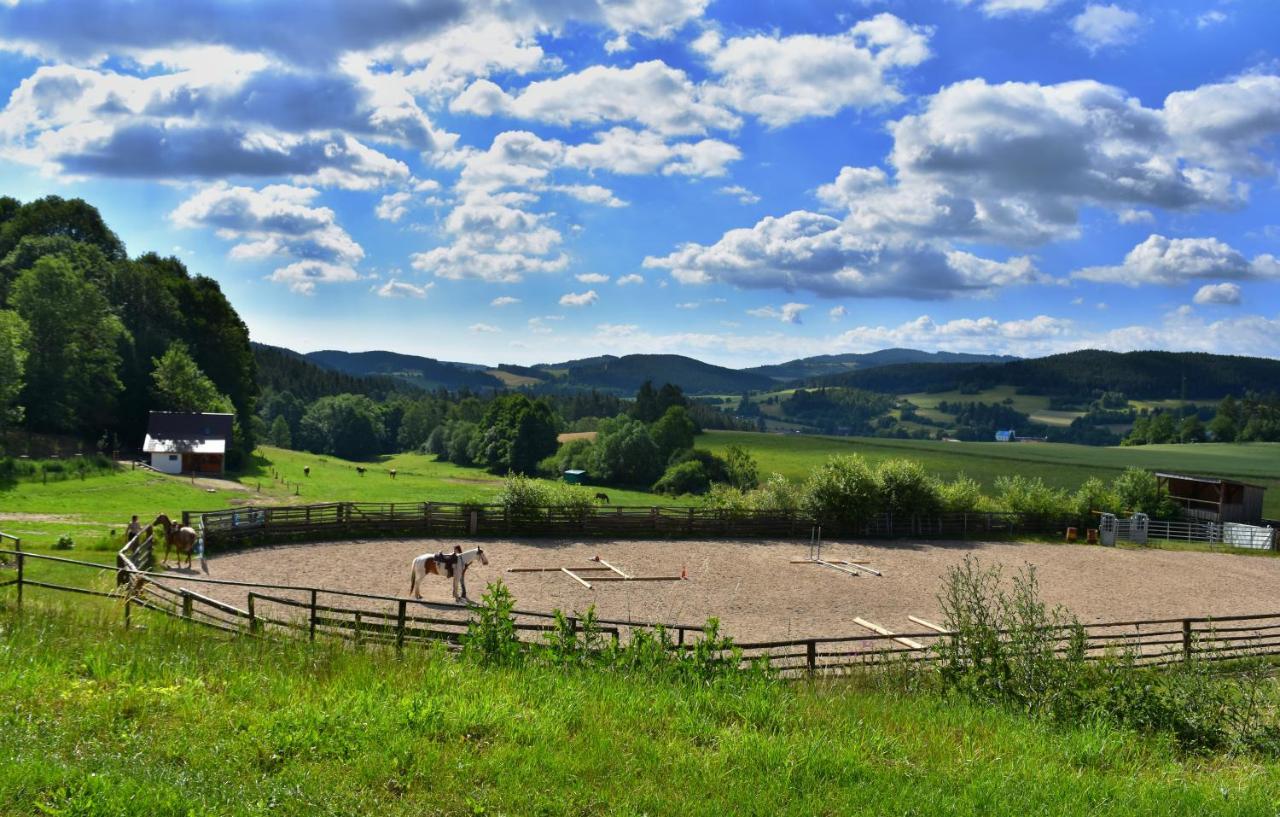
(645,408)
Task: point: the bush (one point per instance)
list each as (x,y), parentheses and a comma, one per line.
(1138,491)
(743,472)
(64,542)
(522,499)
(906,488)
(1094,495)
(1030,496)
(491,633)
(688,477)
(778,495)
(843,491)
(731,502)
(960,495)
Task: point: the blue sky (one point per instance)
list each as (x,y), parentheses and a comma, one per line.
(742,182)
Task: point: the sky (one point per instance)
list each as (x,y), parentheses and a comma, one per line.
(742,182)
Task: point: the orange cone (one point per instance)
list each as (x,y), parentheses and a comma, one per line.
(684,572)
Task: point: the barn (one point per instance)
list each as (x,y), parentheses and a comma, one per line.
(180,442)
(1211,499)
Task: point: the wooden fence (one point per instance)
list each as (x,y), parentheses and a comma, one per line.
(313,612)
(262,525)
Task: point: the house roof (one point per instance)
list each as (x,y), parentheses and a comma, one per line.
(1207,480)
(174,432)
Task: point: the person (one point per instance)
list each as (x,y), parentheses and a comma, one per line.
(135,528)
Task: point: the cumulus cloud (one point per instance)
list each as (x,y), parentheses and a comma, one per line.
(402,289)
(1218,294)
(628,280)
(592,278)
(278,221)
(1169,261)
(818,253)
(1105,26)
(393,206)
(837,313)
(1004,8)
(494,242)
(504,300)
(781,80)
(651,94)
(483,328)
(787,313)
(592,194)
(1211,18)
(1228,124)
(579,298)
(629,152)
(742,194)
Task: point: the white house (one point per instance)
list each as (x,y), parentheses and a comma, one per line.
(181,442)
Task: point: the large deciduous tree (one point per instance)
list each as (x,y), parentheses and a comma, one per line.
(181,386)
(346,425)
(13,358)
(516,433)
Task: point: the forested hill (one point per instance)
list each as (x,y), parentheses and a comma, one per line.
(1141,375)
(82,326)
(627,373)
(424,372)
(821,365)
(284,370)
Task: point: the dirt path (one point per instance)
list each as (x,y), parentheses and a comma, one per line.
(757,593)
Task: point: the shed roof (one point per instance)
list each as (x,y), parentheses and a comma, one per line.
(1208,480)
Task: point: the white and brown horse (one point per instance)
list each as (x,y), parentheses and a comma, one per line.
(178,538)
(451,565)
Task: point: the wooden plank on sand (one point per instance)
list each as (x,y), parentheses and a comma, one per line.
(876,628)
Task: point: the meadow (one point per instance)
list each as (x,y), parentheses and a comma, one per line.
(174,721)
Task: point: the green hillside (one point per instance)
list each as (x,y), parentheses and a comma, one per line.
(423,372)
(821,365)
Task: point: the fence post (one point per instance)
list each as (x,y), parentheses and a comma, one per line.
(811,654)
(1186,639)
(357,628)
(17,545)
(186,605)
(474,522)
(312,633)
(679,636)
(253,618)
(400,615)
(128,602)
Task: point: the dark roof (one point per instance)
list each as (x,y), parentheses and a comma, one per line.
(1208,480)
(182,425)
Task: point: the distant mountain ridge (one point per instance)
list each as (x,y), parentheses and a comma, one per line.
(423,372)
(821,365)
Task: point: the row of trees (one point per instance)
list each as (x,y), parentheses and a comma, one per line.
(83,328)
(1255,418)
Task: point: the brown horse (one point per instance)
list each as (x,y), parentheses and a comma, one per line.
(178,538)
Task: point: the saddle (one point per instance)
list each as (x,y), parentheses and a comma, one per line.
(449,560)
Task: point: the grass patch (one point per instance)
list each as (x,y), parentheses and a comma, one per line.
(170,721)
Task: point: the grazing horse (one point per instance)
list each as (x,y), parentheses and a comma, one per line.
(360,469)
(451,565)
(393,473)
(178,538)
(306,470)
(603,497)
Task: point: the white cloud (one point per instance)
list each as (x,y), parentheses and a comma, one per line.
(277,221)
(504,300)
(483,328)
(592,194)
(494,242)
(629,152)
(538,326)
(579,298)
(1161,260)
(651,94)
(1229,124)
(837,313)
(1004,8)
(787,313)
(1130,215)
(1211,18)
(688,305)
(393,206)
(742,194)
(592,278)
(781,80)
(1218,294)
(1100,26)
(402,289)
(820,254)
(627,280)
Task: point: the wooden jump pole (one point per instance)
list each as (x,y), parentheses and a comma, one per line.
(928,624)
(876,628)
(576,577)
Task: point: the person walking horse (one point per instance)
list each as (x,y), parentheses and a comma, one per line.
(451,565)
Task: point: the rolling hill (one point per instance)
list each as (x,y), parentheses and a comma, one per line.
(821,365)
(424,372)
(1142,375)
(626,373)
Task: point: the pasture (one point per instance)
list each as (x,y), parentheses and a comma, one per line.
(755,590)
(1059,465)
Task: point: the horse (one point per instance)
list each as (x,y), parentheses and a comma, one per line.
(603,497)
(393,473)
(176,537)
(451,565)
(306,470)
(360,470)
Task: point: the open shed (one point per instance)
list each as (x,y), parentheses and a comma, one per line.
(1212,499)
(181,442)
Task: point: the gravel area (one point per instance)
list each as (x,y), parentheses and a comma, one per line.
(758,594)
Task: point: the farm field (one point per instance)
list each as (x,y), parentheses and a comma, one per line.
(1061,465)
(174,721)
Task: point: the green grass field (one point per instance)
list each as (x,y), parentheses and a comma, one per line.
(1066,466)
(167,720)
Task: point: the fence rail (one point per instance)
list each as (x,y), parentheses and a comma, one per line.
(374,619)
(261,525)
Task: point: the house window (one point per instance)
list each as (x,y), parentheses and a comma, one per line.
(173,457)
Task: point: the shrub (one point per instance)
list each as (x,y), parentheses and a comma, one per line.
(779,495)
(1138,491)
(1030,496)
(732,503)
(960,494)
(491,632)
(64,542)
(741,467)
(522,499)
(716,468)
(906,488)
(843,491)
(688,477)
(1094,495)
(570,500)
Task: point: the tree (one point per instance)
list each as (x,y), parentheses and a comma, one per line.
(688,477)
(625,453)
(346,425)
(1162,429)
(181,386)
(516,433)
(419,420)
(674,431)
(743,471)
(279,435)
(72,362)
(14,337)
(645,408)
(670,395)
(906,488)
(1191,430)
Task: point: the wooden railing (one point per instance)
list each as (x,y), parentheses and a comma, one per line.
(395,621)
(263,525)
